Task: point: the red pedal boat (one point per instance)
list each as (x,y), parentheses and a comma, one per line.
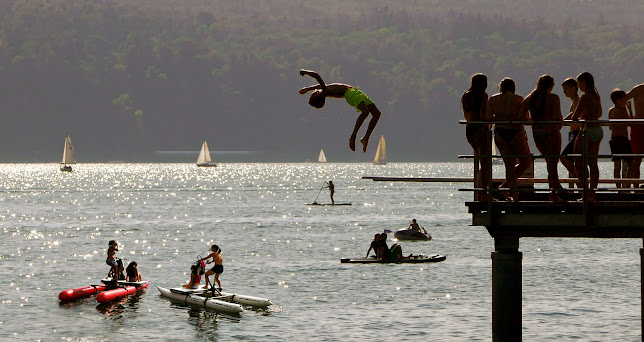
(128,288)
(81,292)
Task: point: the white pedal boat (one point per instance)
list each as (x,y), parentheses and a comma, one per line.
(223,301)
(185,296)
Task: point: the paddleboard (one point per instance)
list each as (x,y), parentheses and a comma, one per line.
(324,204)
(412,260)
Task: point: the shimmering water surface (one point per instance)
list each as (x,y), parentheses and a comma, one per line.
(55,228)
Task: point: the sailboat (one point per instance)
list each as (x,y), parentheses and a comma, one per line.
(322,157)
(204,156)
(68,155)
(381,153)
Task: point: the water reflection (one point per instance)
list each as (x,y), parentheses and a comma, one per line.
(118,307)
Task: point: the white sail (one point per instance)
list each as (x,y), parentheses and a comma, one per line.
(381,153)
(204,156)
(68,152)
(322,157)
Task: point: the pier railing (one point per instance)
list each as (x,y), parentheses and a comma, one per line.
(492,190)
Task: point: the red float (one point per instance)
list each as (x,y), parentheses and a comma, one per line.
(121,292)
(81,292)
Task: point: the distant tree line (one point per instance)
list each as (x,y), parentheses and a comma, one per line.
(131,77)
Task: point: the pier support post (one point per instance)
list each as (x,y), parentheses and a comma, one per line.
(506,289)
(642,289)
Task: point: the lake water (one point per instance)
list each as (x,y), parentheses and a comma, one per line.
(55,227)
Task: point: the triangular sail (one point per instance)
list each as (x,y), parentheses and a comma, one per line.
(68,152)
(322,157)
(381,153)
(204,154)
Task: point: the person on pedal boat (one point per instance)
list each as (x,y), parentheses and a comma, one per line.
(218,269)
(113,247)
(132,272)
(195,278)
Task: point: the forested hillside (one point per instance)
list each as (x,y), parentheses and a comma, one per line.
(128,78)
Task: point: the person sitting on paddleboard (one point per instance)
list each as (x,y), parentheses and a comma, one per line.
(383,251)
(218,269)
(113,247)
(396,253)
(195,278)
(374,245)
(355,98)
(132,272)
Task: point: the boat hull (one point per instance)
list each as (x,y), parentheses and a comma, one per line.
(193,299)
(80,292)
(410,234)
(66,168)
(247,300)
(121,292)
(414,260)
(207,165)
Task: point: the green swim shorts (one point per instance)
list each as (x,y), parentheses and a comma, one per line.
(355,96)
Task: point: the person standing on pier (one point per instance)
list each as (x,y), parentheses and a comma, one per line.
(570,89)
(511,139)
(637,130)
(589,108)
(545,106)
(473,103)
(619,143)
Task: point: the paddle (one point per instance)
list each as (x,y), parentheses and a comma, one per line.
(316,197)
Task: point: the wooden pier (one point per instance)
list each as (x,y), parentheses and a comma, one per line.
(615,213)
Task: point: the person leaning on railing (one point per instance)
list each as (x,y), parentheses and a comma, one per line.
(637,131)
(473,103)
(511,139)
(589,108)
(545,106)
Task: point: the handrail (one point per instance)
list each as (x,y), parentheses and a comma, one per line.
(565,122)
(584,179)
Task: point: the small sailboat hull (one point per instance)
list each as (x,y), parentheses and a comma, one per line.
(204,156)
(322,157)
(68,155)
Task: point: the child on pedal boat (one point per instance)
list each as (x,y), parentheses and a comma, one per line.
(218,269)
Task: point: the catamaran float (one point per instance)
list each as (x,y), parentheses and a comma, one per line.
(219,301)
(106,292)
